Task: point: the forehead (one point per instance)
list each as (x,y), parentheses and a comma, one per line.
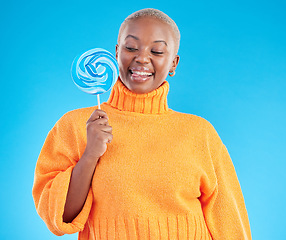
(148,28)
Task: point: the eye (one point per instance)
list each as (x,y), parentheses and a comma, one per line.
(157,52)
(130,49)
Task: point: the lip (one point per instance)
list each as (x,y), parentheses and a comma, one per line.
(140,74)
(141,69)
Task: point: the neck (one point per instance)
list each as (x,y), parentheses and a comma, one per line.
(154,102)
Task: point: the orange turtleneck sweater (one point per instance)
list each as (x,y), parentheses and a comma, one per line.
(166,175)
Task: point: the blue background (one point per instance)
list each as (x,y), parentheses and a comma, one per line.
(232,72)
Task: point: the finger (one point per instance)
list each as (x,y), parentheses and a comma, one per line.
(106,129)
(108,138)
(98,113)
(102,121)
(95,129)
(105,137)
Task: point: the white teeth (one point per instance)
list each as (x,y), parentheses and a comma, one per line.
(142,73)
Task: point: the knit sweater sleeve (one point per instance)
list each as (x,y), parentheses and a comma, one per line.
(223,204)
(58,156)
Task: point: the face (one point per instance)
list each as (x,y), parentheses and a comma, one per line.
(145,54)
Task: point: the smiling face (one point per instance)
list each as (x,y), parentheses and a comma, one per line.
(145,54)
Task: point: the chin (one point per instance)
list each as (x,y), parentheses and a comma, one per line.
(139,90)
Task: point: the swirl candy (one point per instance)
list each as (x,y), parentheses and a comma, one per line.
(95,71)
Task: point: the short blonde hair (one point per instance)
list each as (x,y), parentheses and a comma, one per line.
(151,12)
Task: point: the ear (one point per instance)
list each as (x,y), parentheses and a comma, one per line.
(116,51)
(174,63)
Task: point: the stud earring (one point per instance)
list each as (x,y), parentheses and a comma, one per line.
(172,74)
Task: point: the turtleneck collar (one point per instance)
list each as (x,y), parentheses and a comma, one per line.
(154,102)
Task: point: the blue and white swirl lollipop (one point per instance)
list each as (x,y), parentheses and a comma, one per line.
(95,71)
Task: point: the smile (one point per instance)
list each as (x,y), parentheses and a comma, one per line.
(140,73)
(140,76)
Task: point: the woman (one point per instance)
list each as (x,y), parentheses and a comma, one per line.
(156,173)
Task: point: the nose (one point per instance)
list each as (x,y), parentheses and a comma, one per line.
(142,57)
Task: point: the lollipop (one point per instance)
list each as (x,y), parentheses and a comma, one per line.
(95,71)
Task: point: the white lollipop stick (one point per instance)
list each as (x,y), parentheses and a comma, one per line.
(98,101)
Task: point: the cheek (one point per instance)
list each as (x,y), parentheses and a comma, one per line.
(163,66)
(123,61)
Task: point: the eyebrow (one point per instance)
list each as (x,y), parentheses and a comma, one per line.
(132,37)
(136,38)
(161,41)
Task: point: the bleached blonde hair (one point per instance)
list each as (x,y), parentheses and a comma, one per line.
(151,12)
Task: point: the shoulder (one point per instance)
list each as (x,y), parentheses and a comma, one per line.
(197,126)
(193,121)
(77,114)
(74,119)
